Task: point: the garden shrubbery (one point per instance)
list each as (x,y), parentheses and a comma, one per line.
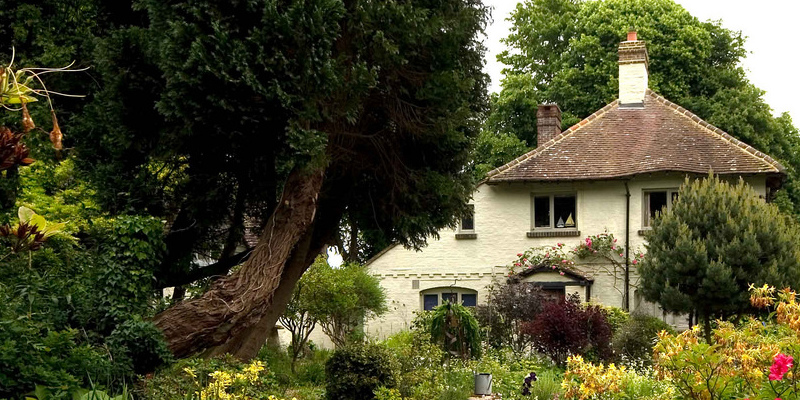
(634,340)
(355,372)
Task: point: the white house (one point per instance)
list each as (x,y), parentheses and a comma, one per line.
(610,172)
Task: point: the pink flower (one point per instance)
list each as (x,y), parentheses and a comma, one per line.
(524,260)
(519,254)
(594,252)
(516,264)
(780,366)
(562,272)
(621,255)
(635,261)
(546,255)
(564,261)
(588,242)
(554,266)
(613,247)
(560,244)
(615,240)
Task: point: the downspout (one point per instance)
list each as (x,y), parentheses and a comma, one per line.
(626,296)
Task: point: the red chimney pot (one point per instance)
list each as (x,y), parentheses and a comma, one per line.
(631,36)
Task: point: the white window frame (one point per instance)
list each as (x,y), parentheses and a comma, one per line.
(552,196)
(461,222)
(439,291)
(671,192)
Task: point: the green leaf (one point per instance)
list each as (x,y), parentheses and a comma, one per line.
(25,214)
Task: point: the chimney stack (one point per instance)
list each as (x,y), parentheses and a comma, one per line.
(633,64)
(548,123)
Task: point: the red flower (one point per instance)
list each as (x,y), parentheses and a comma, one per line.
(780,366)
(635,261)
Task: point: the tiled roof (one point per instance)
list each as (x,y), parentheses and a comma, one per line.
(619,142)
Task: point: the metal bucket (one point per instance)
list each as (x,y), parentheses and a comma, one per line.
(483,383)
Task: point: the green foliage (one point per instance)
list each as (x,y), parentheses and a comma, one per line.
(633,341)
(138,344)
(616,317)
(455,329)
(342,299)
(355,372)
(493,150)
(30,354)
(129,248)
(187,378)
(716,240)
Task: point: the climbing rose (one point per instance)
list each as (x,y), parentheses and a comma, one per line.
(780,365)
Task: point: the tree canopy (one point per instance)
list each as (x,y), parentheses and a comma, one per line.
(716,240)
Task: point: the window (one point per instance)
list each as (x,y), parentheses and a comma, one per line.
(468,222)
(469,300)
(657,201)
(432,298)
(556,211)
(430,302)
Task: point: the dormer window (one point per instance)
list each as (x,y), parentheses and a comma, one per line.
(656,202)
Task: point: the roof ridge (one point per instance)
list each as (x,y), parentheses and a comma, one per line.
(572,129)
(746,148)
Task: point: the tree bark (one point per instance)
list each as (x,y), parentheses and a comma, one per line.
(252,298)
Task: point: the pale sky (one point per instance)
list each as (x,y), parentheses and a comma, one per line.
(772,29)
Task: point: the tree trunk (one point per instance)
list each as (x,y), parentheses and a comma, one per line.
(246,345)
(252,298)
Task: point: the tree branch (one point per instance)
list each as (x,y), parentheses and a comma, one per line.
(221,267)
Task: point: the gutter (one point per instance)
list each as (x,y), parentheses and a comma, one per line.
(626,295)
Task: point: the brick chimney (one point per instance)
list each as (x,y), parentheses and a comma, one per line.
(633,64)
(548,123)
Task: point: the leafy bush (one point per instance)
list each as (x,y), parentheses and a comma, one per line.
(584,380)
(616,316)
(138,344)
(354,372)
(215,378)
(509,305)
(31,355)
(565,327)
(455,328)
(753,360)
(633,342)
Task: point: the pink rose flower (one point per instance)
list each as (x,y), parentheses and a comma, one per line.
(635,261)
(613,247)
(519,254)
(780,366)
(564,261)
(546,255)
(554,266)
(524,260)
(621,255)
(562,272)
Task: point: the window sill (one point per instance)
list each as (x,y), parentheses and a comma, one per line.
(554,233)
(462,236)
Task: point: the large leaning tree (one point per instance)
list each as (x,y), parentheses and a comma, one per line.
(283,117)
(716,240)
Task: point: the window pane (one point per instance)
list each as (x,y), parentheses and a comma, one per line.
(564,208)
(451,297)
(468,223)
(430,301)
(656,202)
(541,211)
(469,300)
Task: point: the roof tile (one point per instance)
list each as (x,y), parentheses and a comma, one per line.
(618,142)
